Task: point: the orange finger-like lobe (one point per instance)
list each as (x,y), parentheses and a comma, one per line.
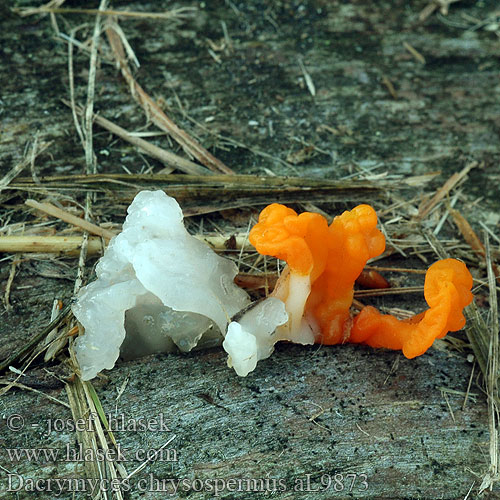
(300,240)
(383,330)
(377,330)
(363,219)
(451,271)
(333,318)
(447,292)
(332,256)
(275,213)
(353,239)
(458,291)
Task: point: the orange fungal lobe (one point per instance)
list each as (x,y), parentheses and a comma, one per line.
(325,260)
(447,291)
(297,239)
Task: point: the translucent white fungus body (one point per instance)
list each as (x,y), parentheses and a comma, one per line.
(280,317)
(253,336)
(172,286)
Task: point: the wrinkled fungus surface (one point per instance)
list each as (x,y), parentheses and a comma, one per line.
(159,287)
(171,287)
(446,291)
(317,286)
(323,262)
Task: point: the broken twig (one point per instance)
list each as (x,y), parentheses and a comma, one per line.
(156,114)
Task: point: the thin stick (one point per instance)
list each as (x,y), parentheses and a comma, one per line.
(390,87)
(159,118)
(427,11)
(89,108)
(441,222)
(90,160)
(36,180)
(492,375)
(32,389)
(96,409)
(388,291)
(478,334)
(471,237)
(87,437)
(152,458)
(172,14)
(428,205)
(210,193)
(8,286)
(414,52)
(468,386)
(81,261)
(50,209)
(357,304)
(71,244)
(37,338)
(166,157)
(396,269)
(449,406)
(72,88)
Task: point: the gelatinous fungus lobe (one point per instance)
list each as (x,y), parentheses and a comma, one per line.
(353,239)
(323,263)
(157,287)
(317,286)
(301,241)
(447,291)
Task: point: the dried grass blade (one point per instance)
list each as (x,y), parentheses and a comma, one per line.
(50,209)
(87,438)
(471,237)
(492,475)
(36,339)
(428,205)
(166,157)
(17,169)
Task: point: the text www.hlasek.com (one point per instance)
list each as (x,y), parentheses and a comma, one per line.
(346,482)
(79,454)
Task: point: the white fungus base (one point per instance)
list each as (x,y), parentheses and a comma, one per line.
(252,338)
(280,317)
(155,266)
(294,290)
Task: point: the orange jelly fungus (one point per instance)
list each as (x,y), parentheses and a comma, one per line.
(300,240)
(331,258)
(447,291)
